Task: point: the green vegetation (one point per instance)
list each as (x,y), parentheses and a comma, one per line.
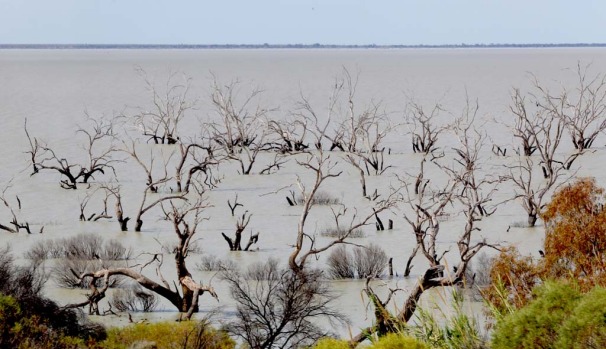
(186,335)
(560,316)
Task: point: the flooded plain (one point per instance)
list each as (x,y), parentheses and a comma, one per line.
(53,89)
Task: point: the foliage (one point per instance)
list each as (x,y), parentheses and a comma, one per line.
(512,279)
(397,341)
(456,331)
(575,248)
(575,241)
(40,322)
(332,343)
(186,334)
(537,324)
(585,327)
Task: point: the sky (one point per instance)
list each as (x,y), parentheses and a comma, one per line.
(381,22)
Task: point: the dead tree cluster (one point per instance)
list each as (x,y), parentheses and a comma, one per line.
(177,168)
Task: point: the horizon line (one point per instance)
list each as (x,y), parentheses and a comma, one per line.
(303,46)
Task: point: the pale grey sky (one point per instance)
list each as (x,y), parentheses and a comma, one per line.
(301,21)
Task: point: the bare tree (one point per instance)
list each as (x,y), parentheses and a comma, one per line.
(278,308)
(196,158)
(242,129)
(525,126)
(170,106)
(235,244)
(152,184)
(16,223)
(471,193)
(305,246)
(424,126)
(185,218)
(98,146)
(585,108)
(103,214)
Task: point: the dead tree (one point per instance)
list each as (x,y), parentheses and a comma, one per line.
(305,244)
(185,218)
(525,126)
(470,193)
(103,214)
(171,105)
(16,224)
(426,207)
(235,244)
(424,126)
(530,189)
(99,148)
(196,159)
(290,134)
(584,109)
(114,191)
(277,308)
(152,185)
(241,130)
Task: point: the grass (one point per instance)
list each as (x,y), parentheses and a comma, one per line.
(186,334)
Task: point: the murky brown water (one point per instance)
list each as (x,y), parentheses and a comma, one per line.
(52,89)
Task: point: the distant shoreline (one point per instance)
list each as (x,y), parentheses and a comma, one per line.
(288,46)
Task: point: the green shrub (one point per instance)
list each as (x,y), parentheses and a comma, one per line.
(187,334)
(536,325)
(586,326)
(398,341)
(331,343)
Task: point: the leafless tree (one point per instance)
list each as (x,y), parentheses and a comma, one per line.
(152,184)
(171,105)
(241,130)
(185,218)
(235,244)
(471,193)
(278,308)
(526,123)
(16,223)
(291,134)
(323,169)
(530,189)
(99,148)
(425,128)
(193,159)
(584,109)
(103,214)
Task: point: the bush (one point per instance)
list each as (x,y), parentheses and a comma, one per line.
(331,343)
(338,232)
(213,263)
(398,341)
(187,334)
(40,320)
(537,324)
(279,308)
(365,261)
(134,298)
(585,327)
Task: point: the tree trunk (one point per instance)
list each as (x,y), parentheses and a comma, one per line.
(532,219)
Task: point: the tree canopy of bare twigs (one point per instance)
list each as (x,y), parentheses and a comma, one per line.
(323,169)
(241,129)
(171,105)
(185,218)
(278,308)
(16,223)
(425,128)
(467,191)
(99,147)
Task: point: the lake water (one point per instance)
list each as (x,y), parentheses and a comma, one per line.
(54,88)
